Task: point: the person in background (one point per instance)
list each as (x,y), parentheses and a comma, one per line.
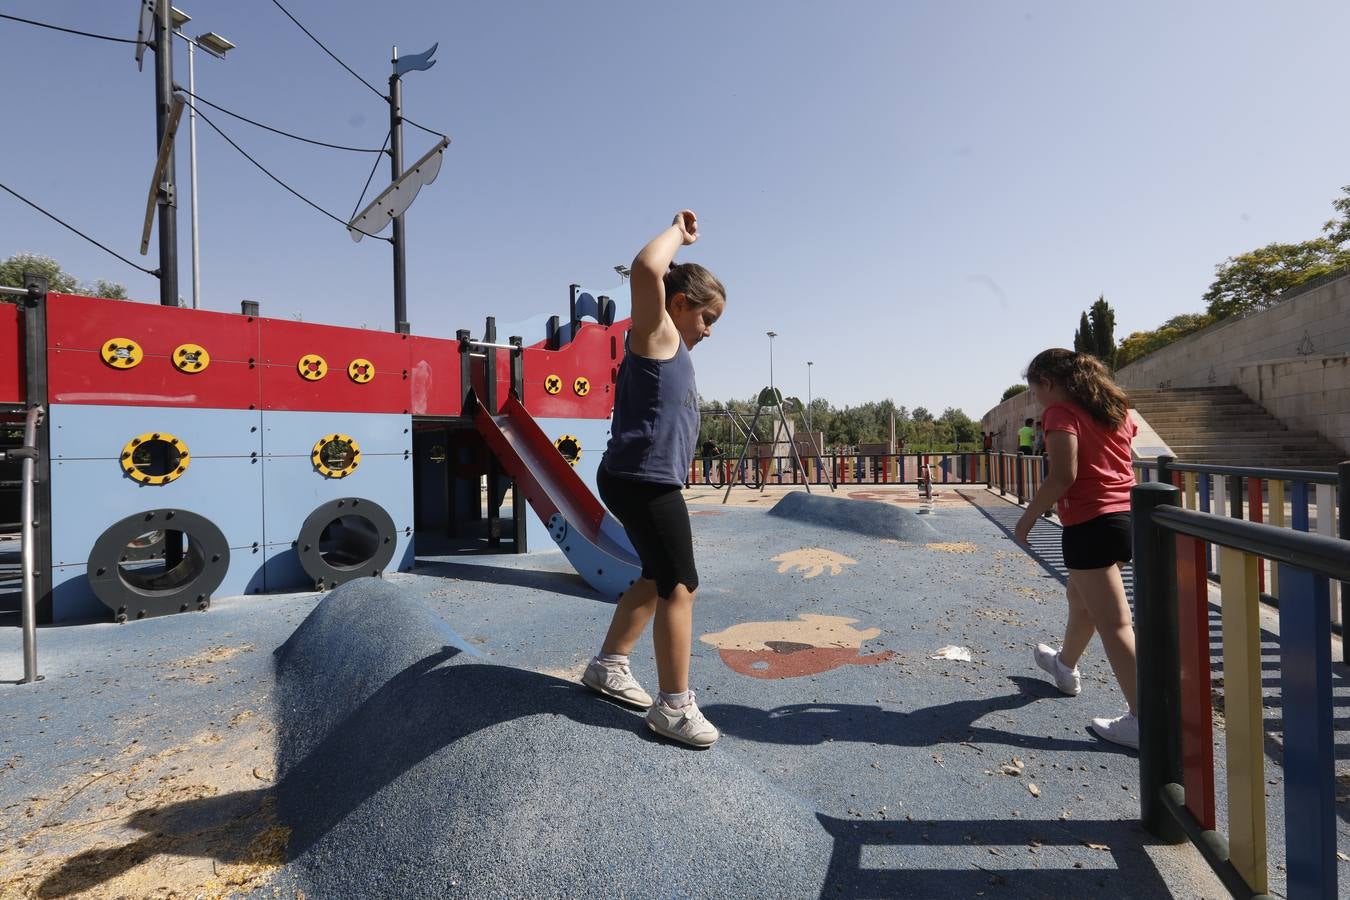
(1026,438)
(710,451)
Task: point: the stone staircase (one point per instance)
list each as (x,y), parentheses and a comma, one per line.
(1222,426)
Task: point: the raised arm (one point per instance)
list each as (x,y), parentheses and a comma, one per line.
(654,334)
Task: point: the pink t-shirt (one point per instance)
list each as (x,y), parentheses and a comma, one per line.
(1105,475)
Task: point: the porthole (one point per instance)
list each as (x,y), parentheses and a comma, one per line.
(155,458)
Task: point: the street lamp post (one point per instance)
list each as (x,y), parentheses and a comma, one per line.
(217,46)
(808,402)
(772,335)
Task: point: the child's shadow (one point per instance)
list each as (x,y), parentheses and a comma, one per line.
(815,723)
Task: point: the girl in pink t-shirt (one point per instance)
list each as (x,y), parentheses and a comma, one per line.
(1087,439)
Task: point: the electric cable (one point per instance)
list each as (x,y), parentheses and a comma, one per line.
(429,131)
(378,92)
(279,131)
(371,177)
(101,37)
(292,190)
(77,231)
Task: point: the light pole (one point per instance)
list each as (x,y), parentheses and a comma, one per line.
(217,46)
(808,402)
(772,335)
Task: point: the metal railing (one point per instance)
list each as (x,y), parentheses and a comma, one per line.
(1299,499)
(841,469)
(28,525)
(1019,474)
(1175,706)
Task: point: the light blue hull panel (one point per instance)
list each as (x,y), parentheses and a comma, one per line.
(89,495)
(295,433)
(100,432)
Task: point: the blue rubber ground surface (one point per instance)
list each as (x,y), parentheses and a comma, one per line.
(428,771)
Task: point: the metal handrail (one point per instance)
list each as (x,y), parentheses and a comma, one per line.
(1318,553)
(28,555)
(1310,476)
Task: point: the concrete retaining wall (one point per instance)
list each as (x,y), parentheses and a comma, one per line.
(1312,322)
(1307,393)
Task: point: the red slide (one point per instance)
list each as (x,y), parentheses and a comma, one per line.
(589,537)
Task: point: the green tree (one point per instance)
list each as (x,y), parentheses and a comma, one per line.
(58,280)
(12,269)
(1096,332)
(1254,280)
(1103,332)
(1014,389)
(963,429)
(1142,343)
(1082,338)
(1338,230)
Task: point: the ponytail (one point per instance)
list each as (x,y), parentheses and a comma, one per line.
(1085,380)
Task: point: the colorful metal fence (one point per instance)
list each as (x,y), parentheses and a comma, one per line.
(1298,499)
(1176,750)
(843,469)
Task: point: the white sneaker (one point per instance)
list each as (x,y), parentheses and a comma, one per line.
(1066,679)
(1123,730)
(686,725)
(617,682)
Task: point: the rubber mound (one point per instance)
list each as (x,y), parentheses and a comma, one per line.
(410,766)
(869,517)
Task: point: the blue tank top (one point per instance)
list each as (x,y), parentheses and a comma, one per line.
(655,424)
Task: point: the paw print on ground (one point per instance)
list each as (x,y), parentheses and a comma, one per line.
(812,561)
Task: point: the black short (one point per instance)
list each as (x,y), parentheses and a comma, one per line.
(1098,543)
(657,522)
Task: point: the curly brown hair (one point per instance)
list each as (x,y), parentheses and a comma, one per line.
(1085,380)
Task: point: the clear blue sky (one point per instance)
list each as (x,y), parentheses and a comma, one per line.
(916,196)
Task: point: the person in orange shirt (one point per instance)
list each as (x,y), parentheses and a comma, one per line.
(1088,432)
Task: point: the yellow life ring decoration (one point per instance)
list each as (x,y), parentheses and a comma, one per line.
(191,358)
(570,448)
(122,353)
(336,455)
(553,384)
(582,386)
(312,367)
(361,370)
(155,458)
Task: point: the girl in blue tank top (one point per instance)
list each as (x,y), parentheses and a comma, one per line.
(653,432)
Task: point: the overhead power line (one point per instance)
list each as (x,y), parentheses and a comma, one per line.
(265,171)
(377,91)
(279,131)
(89,34)
(77,231)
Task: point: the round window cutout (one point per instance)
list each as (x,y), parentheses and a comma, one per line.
(336,455)
(155,458)
(160,561)
(569,447)
(349,542)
